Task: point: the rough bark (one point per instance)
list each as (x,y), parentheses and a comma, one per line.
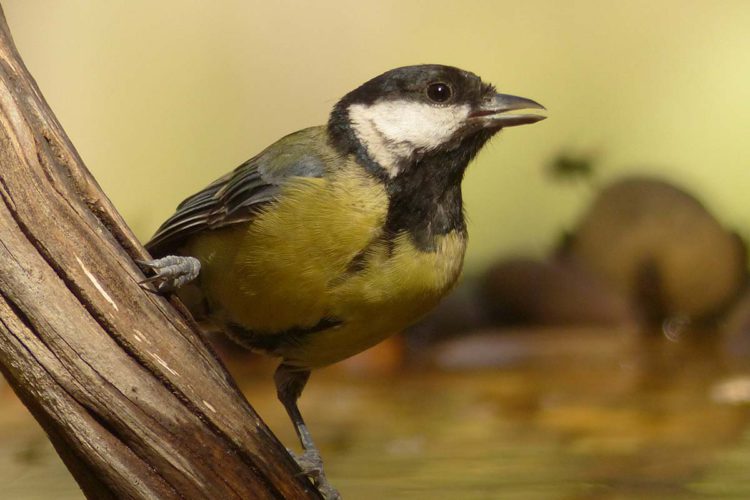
(134,401)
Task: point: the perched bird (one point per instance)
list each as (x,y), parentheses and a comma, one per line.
(337,236)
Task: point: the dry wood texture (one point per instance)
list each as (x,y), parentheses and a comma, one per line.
(132,398)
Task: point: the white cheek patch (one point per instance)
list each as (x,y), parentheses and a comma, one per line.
(393,130)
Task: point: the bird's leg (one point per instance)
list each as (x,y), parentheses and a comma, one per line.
(171,272)
(289,385)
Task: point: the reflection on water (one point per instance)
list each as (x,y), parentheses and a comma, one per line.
(29,467)
(621,419)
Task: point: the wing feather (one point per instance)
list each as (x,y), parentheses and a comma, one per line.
(237,196)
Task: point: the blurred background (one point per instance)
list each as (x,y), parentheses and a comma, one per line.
(599,344)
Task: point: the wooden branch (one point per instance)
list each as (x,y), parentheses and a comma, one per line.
(134,401)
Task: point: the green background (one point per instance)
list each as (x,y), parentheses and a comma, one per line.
(162,97)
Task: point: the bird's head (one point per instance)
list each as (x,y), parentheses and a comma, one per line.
(406,113)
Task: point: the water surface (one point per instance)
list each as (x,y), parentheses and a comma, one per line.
(565,416)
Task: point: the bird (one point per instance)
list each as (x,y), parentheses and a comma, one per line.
(339,235)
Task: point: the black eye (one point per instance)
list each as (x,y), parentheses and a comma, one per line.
(439,92)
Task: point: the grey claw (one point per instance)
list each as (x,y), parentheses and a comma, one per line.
(312,466)
(170,272)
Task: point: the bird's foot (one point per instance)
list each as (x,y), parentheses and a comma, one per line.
(312,466)
(170,272)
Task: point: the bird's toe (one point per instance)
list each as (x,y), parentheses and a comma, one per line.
(170,272)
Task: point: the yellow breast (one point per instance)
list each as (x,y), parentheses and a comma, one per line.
(397,286)
(320,253)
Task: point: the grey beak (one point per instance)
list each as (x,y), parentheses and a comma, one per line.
(492,112)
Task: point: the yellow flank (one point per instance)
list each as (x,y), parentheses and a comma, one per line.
(398,286)
(290,267)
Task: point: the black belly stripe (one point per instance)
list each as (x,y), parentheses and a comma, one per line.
(358,262)
(355,266)
(272,342)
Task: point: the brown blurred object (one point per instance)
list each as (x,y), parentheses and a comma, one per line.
(526,291)
(659,246)
(529,345)
(460,313)
(382,359)
(735,330)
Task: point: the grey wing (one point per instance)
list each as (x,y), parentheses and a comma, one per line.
(230,199)
(238,196)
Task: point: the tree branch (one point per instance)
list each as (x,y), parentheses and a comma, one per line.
(134,401)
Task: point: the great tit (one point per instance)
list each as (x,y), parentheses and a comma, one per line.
(337,236)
